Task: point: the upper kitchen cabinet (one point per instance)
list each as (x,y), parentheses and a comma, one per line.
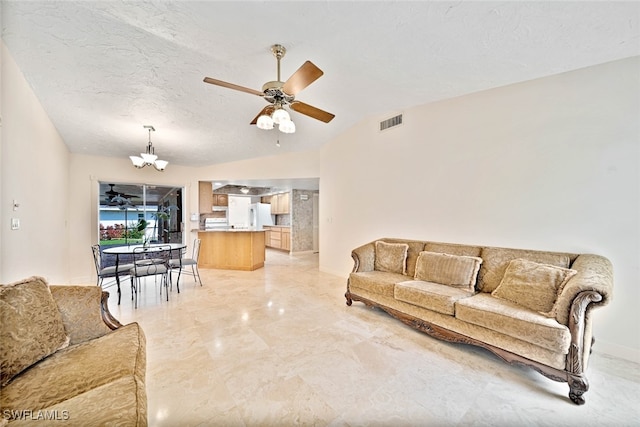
(280,203)
(265,199)
(220,200)
(205,196)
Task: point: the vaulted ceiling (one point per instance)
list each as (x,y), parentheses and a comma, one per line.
(104,69)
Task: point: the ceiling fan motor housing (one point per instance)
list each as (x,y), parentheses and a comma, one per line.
(273,93)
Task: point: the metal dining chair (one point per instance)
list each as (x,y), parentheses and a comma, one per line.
(107,272)
(182,263)
(140,270)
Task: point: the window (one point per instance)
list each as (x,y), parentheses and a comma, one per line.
(135,213)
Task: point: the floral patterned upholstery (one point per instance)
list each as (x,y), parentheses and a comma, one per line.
(98,380)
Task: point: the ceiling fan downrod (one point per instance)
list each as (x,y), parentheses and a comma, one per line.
(278,51)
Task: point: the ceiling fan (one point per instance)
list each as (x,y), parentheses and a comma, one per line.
(280,94)
(116,197)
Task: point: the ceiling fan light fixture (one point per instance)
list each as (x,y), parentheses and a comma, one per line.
(265,122)
(280,115)
(287,126)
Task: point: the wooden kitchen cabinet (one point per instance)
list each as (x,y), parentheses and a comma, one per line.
(285,242)
(220,200)
(205,197)
(265,199)
(275,240)
(278,237)
(283,203)
(280,203)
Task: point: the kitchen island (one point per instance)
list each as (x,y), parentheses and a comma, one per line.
(234,249)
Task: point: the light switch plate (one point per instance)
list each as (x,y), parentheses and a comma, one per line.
(15,223)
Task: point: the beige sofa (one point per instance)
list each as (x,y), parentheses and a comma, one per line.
(65,360)
(527,307)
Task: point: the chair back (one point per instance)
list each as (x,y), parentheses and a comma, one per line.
(148,269)
(196,249)
(97,258)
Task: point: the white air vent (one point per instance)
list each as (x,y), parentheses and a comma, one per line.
(392,122)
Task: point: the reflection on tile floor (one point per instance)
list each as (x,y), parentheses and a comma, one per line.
(278,346)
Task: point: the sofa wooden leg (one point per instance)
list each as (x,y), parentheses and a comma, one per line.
(578,385)
(347,295)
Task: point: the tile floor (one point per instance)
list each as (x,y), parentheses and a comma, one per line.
(278,346)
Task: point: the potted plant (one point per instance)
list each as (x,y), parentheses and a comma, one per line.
(163,214)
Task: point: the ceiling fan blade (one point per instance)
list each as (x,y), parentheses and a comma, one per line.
(232,86)
(311,111)
(303,77)
(266,110)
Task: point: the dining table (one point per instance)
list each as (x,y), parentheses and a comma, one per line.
(154,248)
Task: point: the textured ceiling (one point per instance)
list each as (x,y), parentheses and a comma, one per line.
(104,69)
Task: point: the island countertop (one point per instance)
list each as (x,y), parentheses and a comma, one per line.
(230,230)
(232,249)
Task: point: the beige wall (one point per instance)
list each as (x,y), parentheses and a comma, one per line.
(548,164)
(34,172)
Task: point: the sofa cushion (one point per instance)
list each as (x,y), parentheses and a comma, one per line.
(80,312)
(378,282)
(513,320)
(78,369)
(452,270)
(533,285)
(496,260)
(391,257)
(32,327)
(122,402)
(432,296)
(415,247)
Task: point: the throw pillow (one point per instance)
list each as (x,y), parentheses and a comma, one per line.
(446,269)
(32,327)
(496,261)
(533,285)
(391,257)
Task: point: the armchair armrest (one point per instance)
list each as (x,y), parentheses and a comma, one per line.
(595,275)
(82,310)
(364,257)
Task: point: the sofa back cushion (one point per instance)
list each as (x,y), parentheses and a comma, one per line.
(446,269)
(415,247)
(391,257)
(533,285)
(496,261)
(453,249)
(32,327)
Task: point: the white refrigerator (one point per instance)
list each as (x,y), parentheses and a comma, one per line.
(260,215)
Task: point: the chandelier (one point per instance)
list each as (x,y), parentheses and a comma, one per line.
(148,158)
(280,117)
